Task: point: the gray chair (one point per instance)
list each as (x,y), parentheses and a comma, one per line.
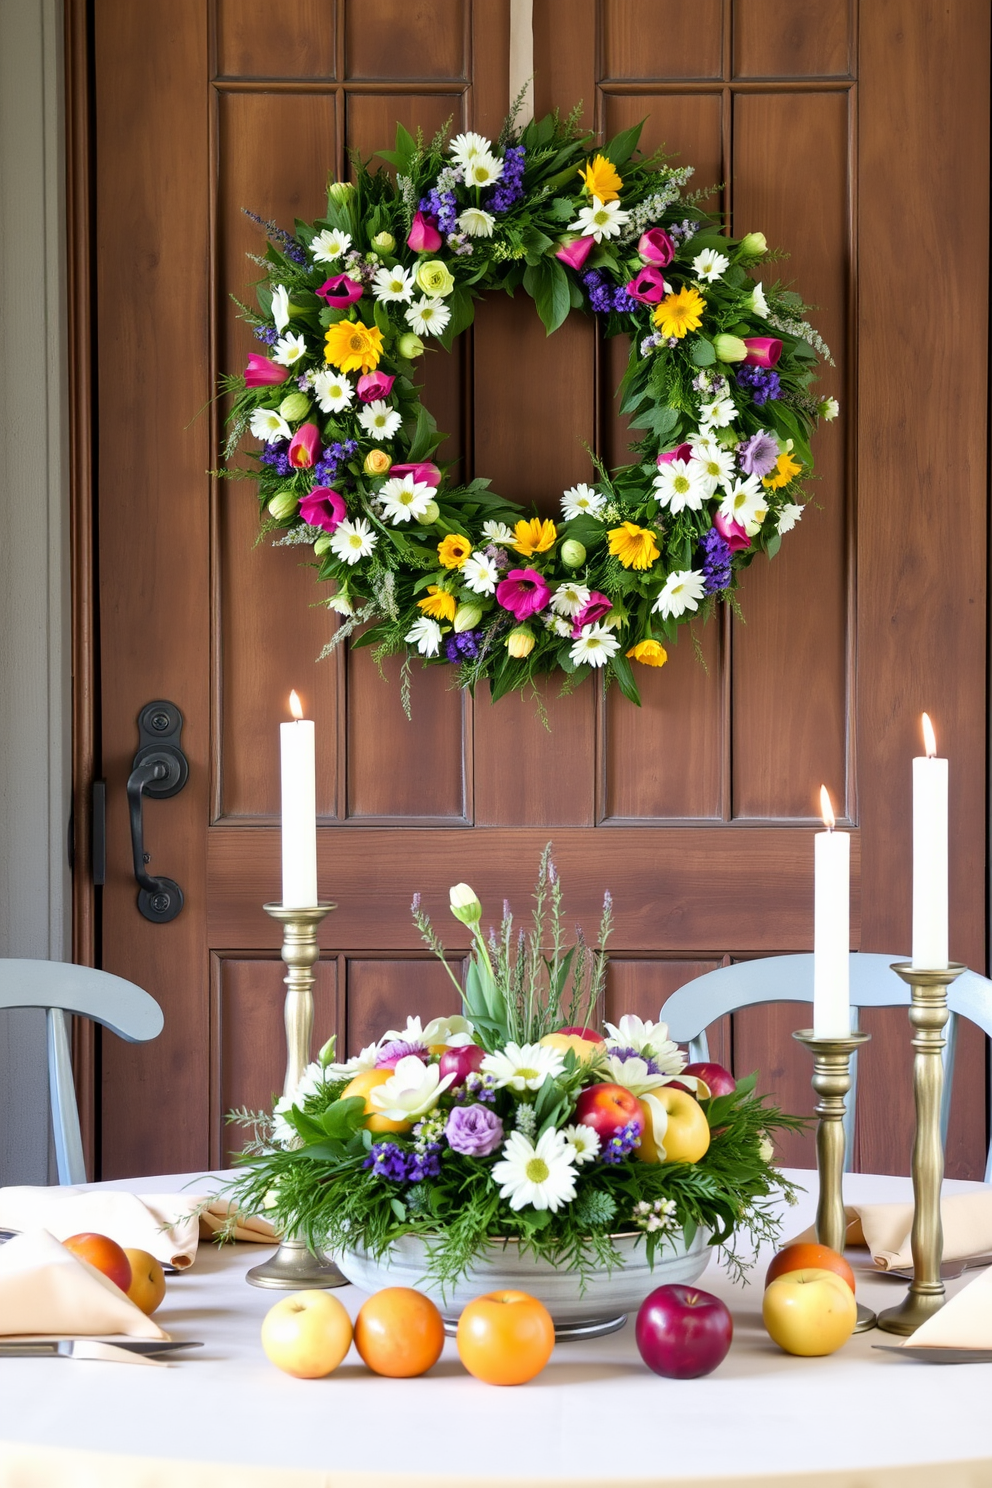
(692,1008)
(62,989)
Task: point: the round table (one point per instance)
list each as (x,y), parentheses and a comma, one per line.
(595,1416)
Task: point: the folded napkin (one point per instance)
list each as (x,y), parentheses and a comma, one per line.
(45,1289)
(963,1322)
(168,1226)
(886,1229)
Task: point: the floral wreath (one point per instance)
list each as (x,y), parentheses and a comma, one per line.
(718,381)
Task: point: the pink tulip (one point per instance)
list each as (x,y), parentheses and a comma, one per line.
(762,351)
(595,607)
(323,507)
(303,446)
(260,372)
(656,247)
(340,292)
(732,532)
(575,251)
(374,385)
(680,452)
(649,286)
(425,472)
(423,236)
(523,592)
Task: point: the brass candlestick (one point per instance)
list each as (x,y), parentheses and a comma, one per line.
(295,1266)
(928,1015)
(832,1081)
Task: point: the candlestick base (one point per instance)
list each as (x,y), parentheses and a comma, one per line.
(296,1268)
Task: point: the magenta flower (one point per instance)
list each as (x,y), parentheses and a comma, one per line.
(423,236)
(260,372)
(732,532)
(680,452)
(523,592)
(648,286)
(595,607)
(425,471)
(762,351)
(324,508)
(303,446)
(374,385)
(656,247)
(575,251)
(340,292)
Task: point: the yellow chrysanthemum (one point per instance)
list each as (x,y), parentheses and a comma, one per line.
(785,468)
(680,312)
(634,546)
(352,347)
(601,179)
(649,653)
(453,550)
(439,604)
(534,536)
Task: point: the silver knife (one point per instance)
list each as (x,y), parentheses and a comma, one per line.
(132,1350)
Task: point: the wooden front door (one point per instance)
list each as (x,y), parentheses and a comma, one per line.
(696,810)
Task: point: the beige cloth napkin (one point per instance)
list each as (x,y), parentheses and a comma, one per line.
(886,1229)
(45,1289)
(963,1322)
(166,1225)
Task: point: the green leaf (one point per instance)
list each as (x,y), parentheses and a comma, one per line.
(702,352)
(560,209)
(773,544)
(423,432)
(535,243)
(624,674)
(547,284)
(661,420)
(344,1117)
(399,1209)
(623,145)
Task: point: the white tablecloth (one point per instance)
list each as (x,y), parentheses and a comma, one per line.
(595,1415)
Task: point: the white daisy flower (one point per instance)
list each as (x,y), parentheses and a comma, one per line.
(483,169)
(289,349)
(569,598)
(498,532)
(709,264)
(412,1090)
(595,646)
(600,220)
(634,1074)
(403,497)
(379,420)
(355,1065)
(351,541)
(681,485)
(329,245)
(396,284)
(541,1174)
(558,625)
(465,147)
(425,634)
(716,464)
(581,501)
(280,306)
(268,424)
(829,409)
(683,590)
(523,1066)
(480,574)
(583,1141)
(428,317)
(332,390)
(476,222)
(747,503)
(789,515)
(757,302)
(717,412)
(649,1039)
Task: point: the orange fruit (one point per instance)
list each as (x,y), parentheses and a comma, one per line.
(806,1255)
(505,1338)
(103,1253)
(363,1085)
(399,1333)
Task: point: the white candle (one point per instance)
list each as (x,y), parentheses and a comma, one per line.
(299,810)
(831,928)
(930,857)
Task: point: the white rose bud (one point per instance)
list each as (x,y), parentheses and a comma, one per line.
(573,554)
(283,505)
(829,409)
(754,244)
(467,617)
(384,242)
(464,904)
(429,515)
(729,348)
(294,406)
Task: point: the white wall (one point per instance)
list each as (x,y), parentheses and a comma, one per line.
(34,552)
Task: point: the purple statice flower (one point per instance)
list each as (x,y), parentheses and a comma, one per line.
(398,1049)
(678,231)
(387,1160)
(499,555)
(442,206)
(349,448)
(460,244)
(759,454)
(761,382)
(480,1087)
(621,1144)
(624,1054)
(426,1164)
(509,188)
(474,1131)
(599,292)
(268,334)
(274,454)
(716,564)
(463,647)
(623,303)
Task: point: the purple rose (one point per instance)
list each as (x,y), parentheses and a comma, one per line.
(474,1131)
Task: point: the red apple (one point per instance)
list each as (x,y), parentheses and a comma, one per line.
(584,1033)
(461,1062)
(607,1108)
(720,1080)
(103,1253)
(682,1332)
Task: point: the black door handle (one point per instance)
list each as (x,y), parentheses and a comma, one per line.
(160,769)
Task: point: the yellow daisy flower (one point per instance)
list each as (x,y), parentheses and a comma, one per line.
(679,313)
(453,550)
(601,179)
(439,604)
(785,468)
(649,653)
(534,536)
(351,346)
(634,546)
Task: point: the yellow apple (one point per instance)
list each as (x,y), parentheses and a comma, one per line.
(307,1334)
(809,1312)
(363,1084)
(147,1280)
(582,1048)
(673,1127)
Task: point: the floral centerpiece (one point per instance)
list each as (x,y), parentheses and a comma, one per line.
(718,389)
(514,1122)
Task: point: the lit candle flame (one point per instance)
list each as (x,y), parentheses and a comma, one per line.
(929,737)
(295,706)
(827,810)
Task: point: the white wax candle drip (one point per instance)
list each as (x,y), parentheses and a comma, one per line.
(299,810)
(930,897)
(831,928)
